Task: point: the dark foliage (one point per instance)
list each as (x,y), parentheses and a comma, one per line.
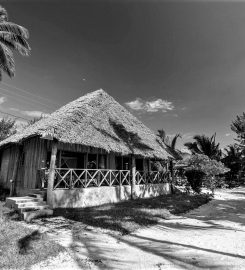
(12,37)
(205,145)
(7,128)
(195,179)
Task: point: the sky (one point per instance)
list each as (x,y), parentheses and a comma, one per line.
(176,65)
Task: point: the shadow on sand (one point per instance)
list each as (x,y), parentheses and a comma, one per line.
(98,248)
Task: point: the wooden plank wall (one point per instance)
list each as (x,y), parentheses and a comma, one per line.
(7,165)
(35,154)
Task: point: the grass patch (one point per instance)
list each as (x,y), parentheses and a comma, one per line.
(128,216)
(20,246)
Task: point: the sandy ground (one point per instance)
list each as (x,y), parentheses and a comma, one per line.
(210,237)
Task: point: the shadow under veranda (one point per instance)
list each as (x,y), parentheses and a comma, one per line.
(122,219)
(128,216)
(171,251)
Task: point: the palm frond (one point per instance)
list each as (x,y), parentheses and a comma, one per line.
(3,14)
(193,147)
(161,134)
(15,29)
(15,42)
(7,60)
(174,140)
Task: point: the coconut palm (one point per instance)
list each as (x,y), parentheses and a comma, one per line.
(170,146)
(12,37)
(234,160)
(238,126)
(170,143)
(205,145)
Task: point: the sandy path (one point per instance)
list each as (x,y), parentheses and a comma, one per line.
(210,237)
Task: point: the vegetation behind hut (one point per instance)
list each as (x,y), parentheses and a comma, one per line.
(7,128)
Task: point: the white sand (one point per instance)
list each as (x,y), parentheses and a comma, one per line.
(210,237)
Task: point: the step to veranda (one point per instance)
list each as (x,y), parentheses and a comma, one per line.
(27,204)
(37,195)
(11,201)
(32,208)
(28,216)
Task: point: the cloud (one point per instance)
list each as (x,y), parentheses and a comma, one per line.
(35,114)
(150,106)
(227,134)
(136,105)
(2,100)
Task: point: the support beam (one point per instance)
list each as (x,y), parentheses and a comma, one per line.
(51,174)
(133,180)
(14,175)
(171,165)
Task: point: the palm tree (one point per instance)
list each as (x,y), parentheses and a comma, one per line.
(233,160)
(12,37)
(205,145)
(170,144)
(238,126)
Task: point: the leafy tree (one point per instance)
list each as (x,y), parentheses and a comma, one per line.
(7,128)
(34,120)
(199,166)
(12,37)
(205,145)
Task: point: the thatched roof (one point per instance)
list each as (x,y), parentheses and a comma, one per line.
(96,120)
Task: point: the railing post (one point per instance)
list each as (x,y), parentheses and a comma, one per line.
(133,180)
(51,175)
(70,179)
(120,178)
(86,177)
(110,178)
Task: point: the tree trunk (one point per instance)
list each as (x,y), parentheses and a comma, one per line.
(133,182)
(51,175)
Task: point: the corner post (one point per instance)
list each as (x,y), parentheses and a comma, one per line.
(51,174)
(14,175)
(171,165)
(133,180)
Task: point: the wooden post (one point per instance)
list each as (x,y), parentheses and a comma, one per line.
(133,180)
(51,174)
(14,175)
(172,175)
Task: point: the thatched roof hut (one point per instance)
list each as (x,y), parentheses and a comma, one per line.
(96,120)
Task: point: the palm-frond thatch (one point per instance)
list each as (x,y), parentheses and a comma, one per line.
(96,120)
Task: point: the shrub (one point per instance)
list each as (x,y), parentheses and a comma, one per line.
(199,166)
(195,179)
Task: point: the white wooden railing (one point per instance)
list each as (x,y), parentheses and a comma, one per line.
(151,177)
(84,178)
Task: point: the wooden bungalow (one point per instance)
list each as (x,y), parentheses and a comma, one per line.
(88,152)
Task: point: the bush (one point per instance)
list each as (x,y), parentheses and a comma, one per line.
(199,166)
(195,179)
